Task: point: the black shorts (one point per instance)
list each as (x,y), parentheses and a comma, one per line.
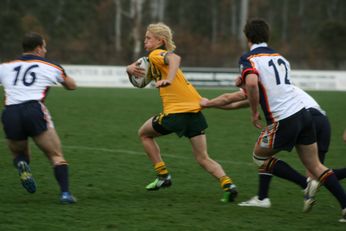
(286,133)
(28,119)
(183,124)
(323,132)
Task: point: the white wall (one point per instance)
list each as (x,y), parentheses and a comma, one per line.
(320,80)
(98,76)
(115,76)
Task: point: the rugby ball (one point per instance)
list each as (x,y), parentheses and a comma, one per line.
(141,82)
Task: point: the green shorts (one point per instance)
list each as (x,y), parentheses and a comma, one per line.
(183,124)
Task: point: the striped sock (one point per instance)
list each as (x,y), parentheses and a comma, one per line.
(161,169)
(283,170)
(329,180)
(340,173)
(225,182)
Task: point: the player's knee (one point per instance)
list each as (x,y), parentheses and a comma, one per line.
(58,160)
(140,132)
(202,159)
(260,161)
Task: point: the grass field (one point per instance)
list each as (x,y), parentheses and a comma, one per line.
(109,170)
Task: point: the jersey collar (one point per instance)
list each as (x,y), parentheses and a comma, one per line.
(31,57)
(256,45)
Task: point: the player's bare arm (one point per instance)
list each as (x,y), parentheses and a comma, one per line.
(251,85)
(173,61)
(223,100)
(69,83)
(235,105)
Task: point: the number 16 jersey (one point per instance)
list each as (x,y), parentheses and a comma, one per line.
(278,98)
(29,78)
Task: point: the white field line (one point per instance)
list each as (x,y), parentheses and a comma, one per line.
(136,153)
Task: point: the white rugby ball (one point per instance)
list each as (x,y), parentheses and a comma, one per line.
(141,82)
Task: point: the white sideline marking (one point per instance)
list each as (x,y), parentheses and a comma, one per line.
(143,153)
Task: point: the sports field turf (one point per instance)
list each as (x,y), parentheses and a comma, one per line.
(109,171)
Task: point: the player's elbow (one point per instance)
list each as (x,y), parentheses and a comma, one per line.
(178,58)
(69,84)
(71,87)
(226,99)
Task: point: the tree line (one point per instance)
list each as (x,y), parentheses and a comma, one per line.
(208,33)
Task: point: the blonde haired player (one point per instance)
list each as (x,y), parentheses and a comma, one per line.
(181,111)
(26,81)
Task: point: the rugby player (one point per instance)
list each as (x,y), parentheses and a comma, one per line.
(266,75)
(26,81)
(181,111)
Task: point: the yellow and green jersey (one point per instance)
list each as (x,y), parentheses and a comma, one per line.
(180,96)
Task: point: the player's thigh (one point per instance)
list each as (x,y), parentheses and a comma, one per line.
(18,147)
(263,151)
(147,129)
(309,157)
(12,122)
(267,140)
(49,142)
(199,145)
(323,134)
(196,124)
(286,133)
(308,153)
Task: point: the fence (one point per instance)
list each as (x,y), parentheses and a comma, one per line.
(115,76)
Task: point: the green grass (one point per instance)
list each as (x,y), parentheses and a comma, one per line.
(108,169)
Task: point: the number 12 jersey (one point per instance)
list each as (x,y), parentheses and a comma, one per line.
(278,98)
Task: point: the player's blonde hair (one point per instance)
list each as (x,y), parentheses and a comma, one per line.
(162,31)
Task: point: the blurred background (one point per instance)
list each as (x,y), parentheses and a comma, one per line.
(208,33)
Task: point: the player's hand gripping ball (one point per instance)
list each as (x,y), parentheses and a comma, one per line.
(142,81)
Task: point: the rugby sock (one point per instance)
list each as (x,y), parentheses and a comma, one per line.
(340,173)
(280,169)
(61,175)
(264,182)
(20,157)
(161,169)
(283,170)
(329,180)
(225,182)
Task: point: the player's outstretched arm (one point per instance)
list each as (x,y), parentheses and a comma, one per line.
(236,105)
(69,83)
(226,101)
